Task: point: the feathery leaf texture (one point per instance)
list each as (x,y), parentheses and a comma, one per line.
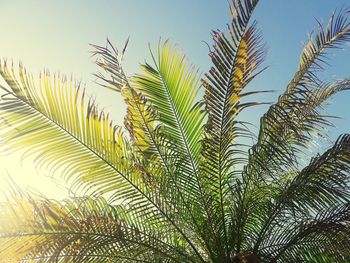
(172,185)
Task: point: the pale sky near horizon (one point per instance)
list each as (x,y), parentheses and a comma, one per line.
(56,35)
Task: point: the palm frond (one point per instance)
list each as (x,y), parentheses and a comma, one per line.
(320,185)
(314,55)
(295,112)
(82,141)
(236,57)
(79,230)
(290,124)
(267,174)
(325,237)
(172,87)
(150,137)
(142,121)
(141,118)
(54,112)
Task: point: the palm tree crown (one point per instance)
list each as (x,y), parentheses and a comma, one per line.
(176,183)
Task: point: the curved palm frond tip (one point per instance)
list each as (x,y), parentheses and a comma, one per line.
(174,184)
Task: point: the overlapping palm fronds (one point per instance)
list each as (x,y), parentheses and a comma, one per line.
(85,147)
(78,230)
(172,186)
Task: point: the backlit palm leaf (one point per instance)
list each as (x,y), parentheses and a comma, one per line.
(78,230)
(171,86)
(150,135)
(84,145)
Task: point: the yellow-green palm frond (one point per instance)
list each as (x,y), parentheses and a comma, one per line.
(171,86)
(82,142)
(171,89)
(82,229)
(51,117)
(150,137)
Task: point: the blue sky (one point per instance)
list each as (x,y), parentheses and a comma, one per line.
(55,35)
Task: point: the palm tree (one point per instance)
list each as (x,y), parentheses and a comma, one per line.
(177,184)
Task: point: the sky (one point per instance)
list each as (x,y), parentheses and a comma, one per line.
(55,35)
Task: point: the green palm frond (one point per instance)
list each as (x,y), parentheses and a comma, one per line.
(236,57)
(296,111)
(290,125)
(143,119)
(327,235)
(320,185)
(171,87)
(314,55)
